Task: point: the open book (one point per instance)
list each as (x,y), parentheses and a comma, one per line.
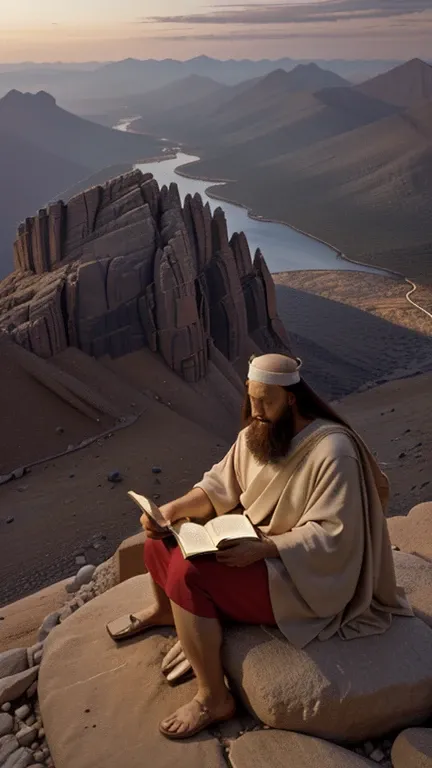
(196,538)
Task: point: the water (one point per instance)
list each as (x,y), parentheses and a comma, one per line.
(283,247)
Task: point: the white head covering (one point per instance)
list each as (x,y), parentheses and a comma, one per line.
(281,370)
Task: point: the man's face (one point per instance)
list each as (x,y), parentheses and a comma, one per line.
(268,402)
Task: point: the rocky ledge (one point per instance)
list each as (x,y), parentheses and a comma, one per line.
(125,266)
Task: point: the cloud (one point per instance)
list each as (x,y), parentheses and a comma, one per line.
(277,13)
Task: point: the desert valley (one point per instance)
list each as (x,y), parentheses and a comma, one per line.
(161,222)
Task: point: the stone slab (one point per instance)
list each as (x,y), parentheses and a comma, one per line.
(12,661)
(414,575)
(130,557)
(101,703)
(282,749)
(413,749)
(14,686)
(22,619)
(413,533)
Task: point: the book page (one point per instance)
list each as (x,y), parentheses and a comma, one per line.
(193,538)
(230,527)
(150,508)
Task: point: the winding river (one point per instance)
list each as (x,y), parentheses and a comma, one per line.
(284,248)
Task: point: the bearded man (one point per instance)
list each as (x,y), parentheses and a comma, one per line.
(323,564)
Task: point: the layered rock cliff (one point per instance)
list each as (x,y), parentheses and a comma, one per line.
(125,266)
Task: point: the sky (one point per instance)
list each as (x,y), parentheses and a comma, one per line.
(105,30)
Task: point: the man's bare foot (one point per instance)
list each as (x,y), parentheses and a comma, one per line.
(198,714)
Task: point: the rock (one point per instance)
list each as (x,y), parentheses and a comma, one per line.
(13,661)
(10,520)
(48,624)
(8,745)
(156,470)
(37,658)
(274,749)
(387,690)
(413,749)
(26,735)
(14,686)
(413,533)
(85,575)
(80,560)
(22,712)
(6,724)
(63,703)
(66,612)
(59,430)
(377,755)
(130,557)
(32,652)
(414,574)
(19,759)
(6,707)
(115,477)
(38,756)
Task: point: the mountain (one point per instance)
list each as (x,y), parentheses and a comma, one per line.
(44,150)
(368,191)
(404,86)
(38,119)
(307,77)
(30,176)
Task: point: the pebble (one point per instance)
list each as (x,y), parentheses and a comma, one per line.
(34,746)
(32,690)
(66,612)
(6,724)
(37,658)
(39,756)
(156,470)
(30,720)
(402,455)
(377,755)
(19,473)
(6,707)
(48,624)
(59,430)
(80,560)
(9,520)
(115,477)
(22,712)
(85,575)
(41,733)
(26,736)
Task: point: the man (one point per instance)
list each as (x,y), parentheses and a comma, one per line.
(323,563)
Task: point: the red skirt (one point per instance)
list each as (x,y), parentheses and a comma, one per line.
(210,589)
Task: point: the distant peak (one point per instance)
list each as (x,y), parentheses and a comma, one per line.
(15,97)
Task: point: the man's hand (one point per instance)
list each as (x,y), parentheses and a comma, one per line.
(152,530)
(242,553)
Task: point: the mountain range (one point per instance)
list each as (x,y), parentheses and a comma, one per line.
(44,150)
(349,164)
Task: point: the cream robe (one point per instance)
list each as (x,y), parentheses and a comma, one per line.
(323,506)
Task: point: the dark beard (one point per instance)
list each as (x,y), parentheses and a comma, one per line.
(268,442)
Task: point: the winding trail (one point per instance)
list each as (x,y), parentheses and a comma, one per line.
(414,303)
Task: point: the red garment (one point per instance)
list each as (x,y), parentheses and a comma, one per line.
(210,589)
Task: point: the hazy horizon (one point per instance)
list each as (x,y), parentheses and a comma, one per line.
(183,29)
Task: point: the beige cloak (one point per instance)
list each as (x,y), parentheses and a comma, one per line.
(323,505)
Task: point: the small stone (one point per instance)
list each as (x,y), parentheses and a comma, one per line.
(48,624)
(19,473)
(377,755)
(402,455)
(85,575)
(156,470)
(59,430)
(30,720)
(80,560)
(14,686)
(37,658)
(70,447)
(41,733)
(38,756)
(368,748)
(13,661)
(22,712)
(46,752)
(26,736)
(66,612)
(6,724)
(6,707)
(34,746)
(115,477)
(72,475)
(10,520)
(8,745)
(19,759)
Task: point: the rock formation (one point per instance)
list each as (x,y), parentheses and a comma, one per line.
(126,266)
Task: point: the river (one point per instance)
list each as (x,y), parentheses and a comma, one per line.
(284,248)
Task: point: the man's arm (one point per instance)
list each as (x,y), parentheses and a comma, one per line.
(195,504)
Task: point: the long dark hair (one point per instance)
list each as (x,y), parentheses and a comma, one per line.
(309,404)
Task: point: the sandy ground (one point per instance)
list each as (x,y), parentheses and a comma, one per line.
(352,329)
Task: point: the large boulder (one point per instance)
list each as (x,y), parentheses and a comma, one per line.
(413,749)
(346,691)
(414,575)
(274,749)
(342,690)
(101,704)
(413,533)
